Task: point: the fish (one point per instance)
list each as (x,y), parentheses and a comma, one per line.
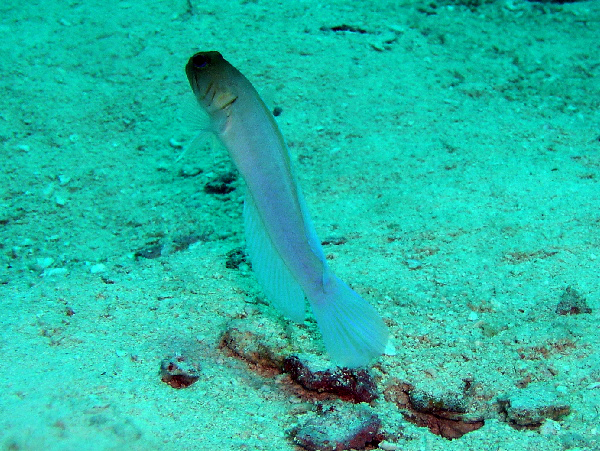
(282,243)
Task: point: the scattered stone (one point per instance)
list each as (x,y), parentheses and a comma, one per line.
(384,41)
(577,442)
(178,372)
(5,216)
(60,200)
(445,414)
(183,242)
(341,427)
(157,249)
(260,342)
(223,184)
(44,262)
(190,170)
(389,446)
(53,272)
(98,268)
(531,406)
(354,385)
(151,251)
(334,241)
(235,258)
(572,303)
(345,28)
(63,179)
(175,144)
(163,166)
(550,427)
(413,264)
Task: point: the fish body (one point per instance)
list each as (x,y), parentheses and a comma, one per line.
(283,245)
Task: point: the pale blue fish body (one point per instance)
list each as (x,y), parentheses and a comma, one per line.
(284,249)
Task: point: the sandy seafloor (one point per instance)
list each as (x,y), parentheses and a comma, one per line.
(455,149)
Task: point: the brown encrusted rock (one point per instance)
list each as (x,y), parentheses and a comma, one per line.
(572,303)
(355,385)
(258,342)
(340,428)
(529,407)
(179,371)
(444,413)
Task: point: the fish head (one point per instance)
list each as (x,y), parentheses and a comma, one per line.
(212,82)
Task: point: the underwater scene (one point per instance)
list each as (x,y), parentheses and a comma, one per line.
(300,225)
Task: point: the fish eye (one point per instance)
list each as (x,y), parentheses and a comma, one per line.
(200,61)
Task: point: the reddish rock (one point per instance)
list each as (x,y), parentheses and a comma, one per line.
(260,343)
(178,372)
(339,428)
(443,415)
(354,385)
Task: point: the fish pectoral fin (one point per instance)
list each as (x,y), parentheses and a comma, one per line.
(274,277)
(196,118)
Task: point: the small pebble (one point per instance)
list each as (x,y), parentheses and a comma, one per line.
(190,170)
(175,144)
(50,272)
(162,166)
(390,349)
(549,427)
(562,389)
(179,372)
(413,264)
(61,201)
(48,190)
(44,262)
(98,268)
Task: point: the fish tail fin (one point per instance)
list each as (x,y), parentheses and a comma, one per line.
(352,330)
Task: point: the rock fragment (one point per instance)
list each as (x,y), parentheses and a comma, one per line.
(445,414)
(341,427)
(355,385)
(179,372)
(258,342)
(222,184)
(572,303)
(531,406)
